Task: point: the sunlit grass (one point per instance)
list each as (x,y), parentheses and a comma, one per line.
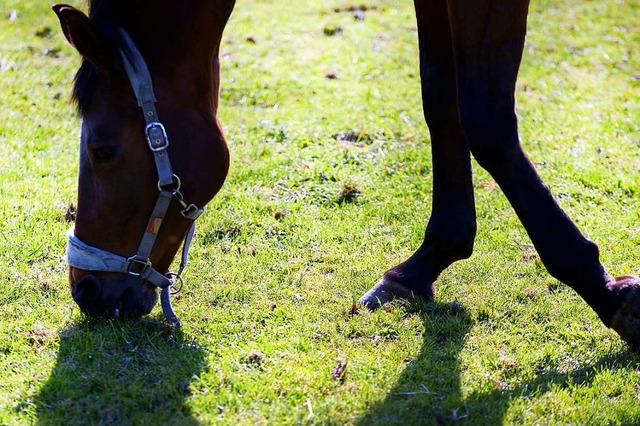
(282,253)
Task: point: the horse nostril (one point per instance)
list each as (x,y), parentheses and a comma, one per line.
(87,293)
(137,301)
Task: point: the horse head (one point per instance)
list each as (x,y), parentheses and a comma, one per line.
(124,149)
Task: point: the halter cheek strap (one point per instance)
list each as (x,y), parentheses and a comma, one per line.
(86,257)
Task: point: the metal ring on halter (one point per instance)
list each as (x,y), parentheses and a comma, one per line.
(177,282)
(177,195)
(177,181)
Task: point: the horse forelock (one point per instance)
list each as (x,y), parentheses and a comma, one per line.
(84,85)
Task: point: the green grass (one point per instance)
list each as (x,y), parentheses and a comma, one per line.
(267,308)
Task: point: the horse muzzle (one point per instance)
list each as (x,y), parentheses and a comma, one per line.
(111,295)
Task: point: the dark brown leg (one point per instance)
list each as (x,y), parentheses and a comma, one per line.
(452,226)
(488,39)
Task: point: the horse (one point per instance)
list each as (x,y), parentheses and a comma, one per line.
(470,54)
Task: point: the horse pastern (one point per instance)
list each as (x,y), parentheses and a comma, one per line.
(626,320)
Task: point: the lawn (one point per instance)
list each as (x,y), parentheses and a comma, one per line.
(329,186)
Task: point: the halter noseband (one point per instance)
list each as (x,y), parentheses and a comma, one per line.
(83,256)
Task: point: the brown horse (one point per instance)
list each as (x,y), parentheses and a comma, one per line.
(470,53)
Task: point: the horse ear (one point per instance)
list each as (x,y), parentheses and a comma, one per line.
(81,34)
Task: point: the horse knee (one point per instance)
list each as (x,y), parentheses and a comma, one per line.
(492,134)
(439,94)
(440,108)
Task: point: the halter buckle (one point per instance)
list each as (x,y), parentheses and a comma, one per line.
(137,267)
(191,212)
(156,136)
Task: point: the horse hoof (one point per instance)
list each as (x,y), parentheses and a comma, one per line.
(384,292)
(626,320)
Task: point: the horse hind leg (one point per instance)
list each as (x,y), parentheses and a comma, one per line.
(452,226)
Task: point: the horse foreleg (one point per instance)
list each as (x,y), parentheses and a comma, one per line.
(451,229)
(488,43)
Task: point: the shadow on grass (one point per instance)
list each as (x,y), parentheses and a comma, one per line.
(429,391)
(120,372)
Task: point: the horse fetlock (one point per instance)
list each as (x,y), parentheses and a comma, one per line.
(461,250)
(452,247)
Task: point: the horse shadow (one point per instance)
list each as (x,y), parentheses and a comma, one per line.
(429,391)
(120,372)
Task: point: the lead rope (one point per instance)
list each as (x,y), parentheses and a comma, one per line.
(166,292)
(156,135)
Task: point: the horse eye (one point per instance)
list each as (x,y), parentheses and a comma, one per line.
(104,154)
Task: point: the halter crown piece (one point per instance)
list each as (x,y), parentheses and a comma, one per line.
(86,257)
